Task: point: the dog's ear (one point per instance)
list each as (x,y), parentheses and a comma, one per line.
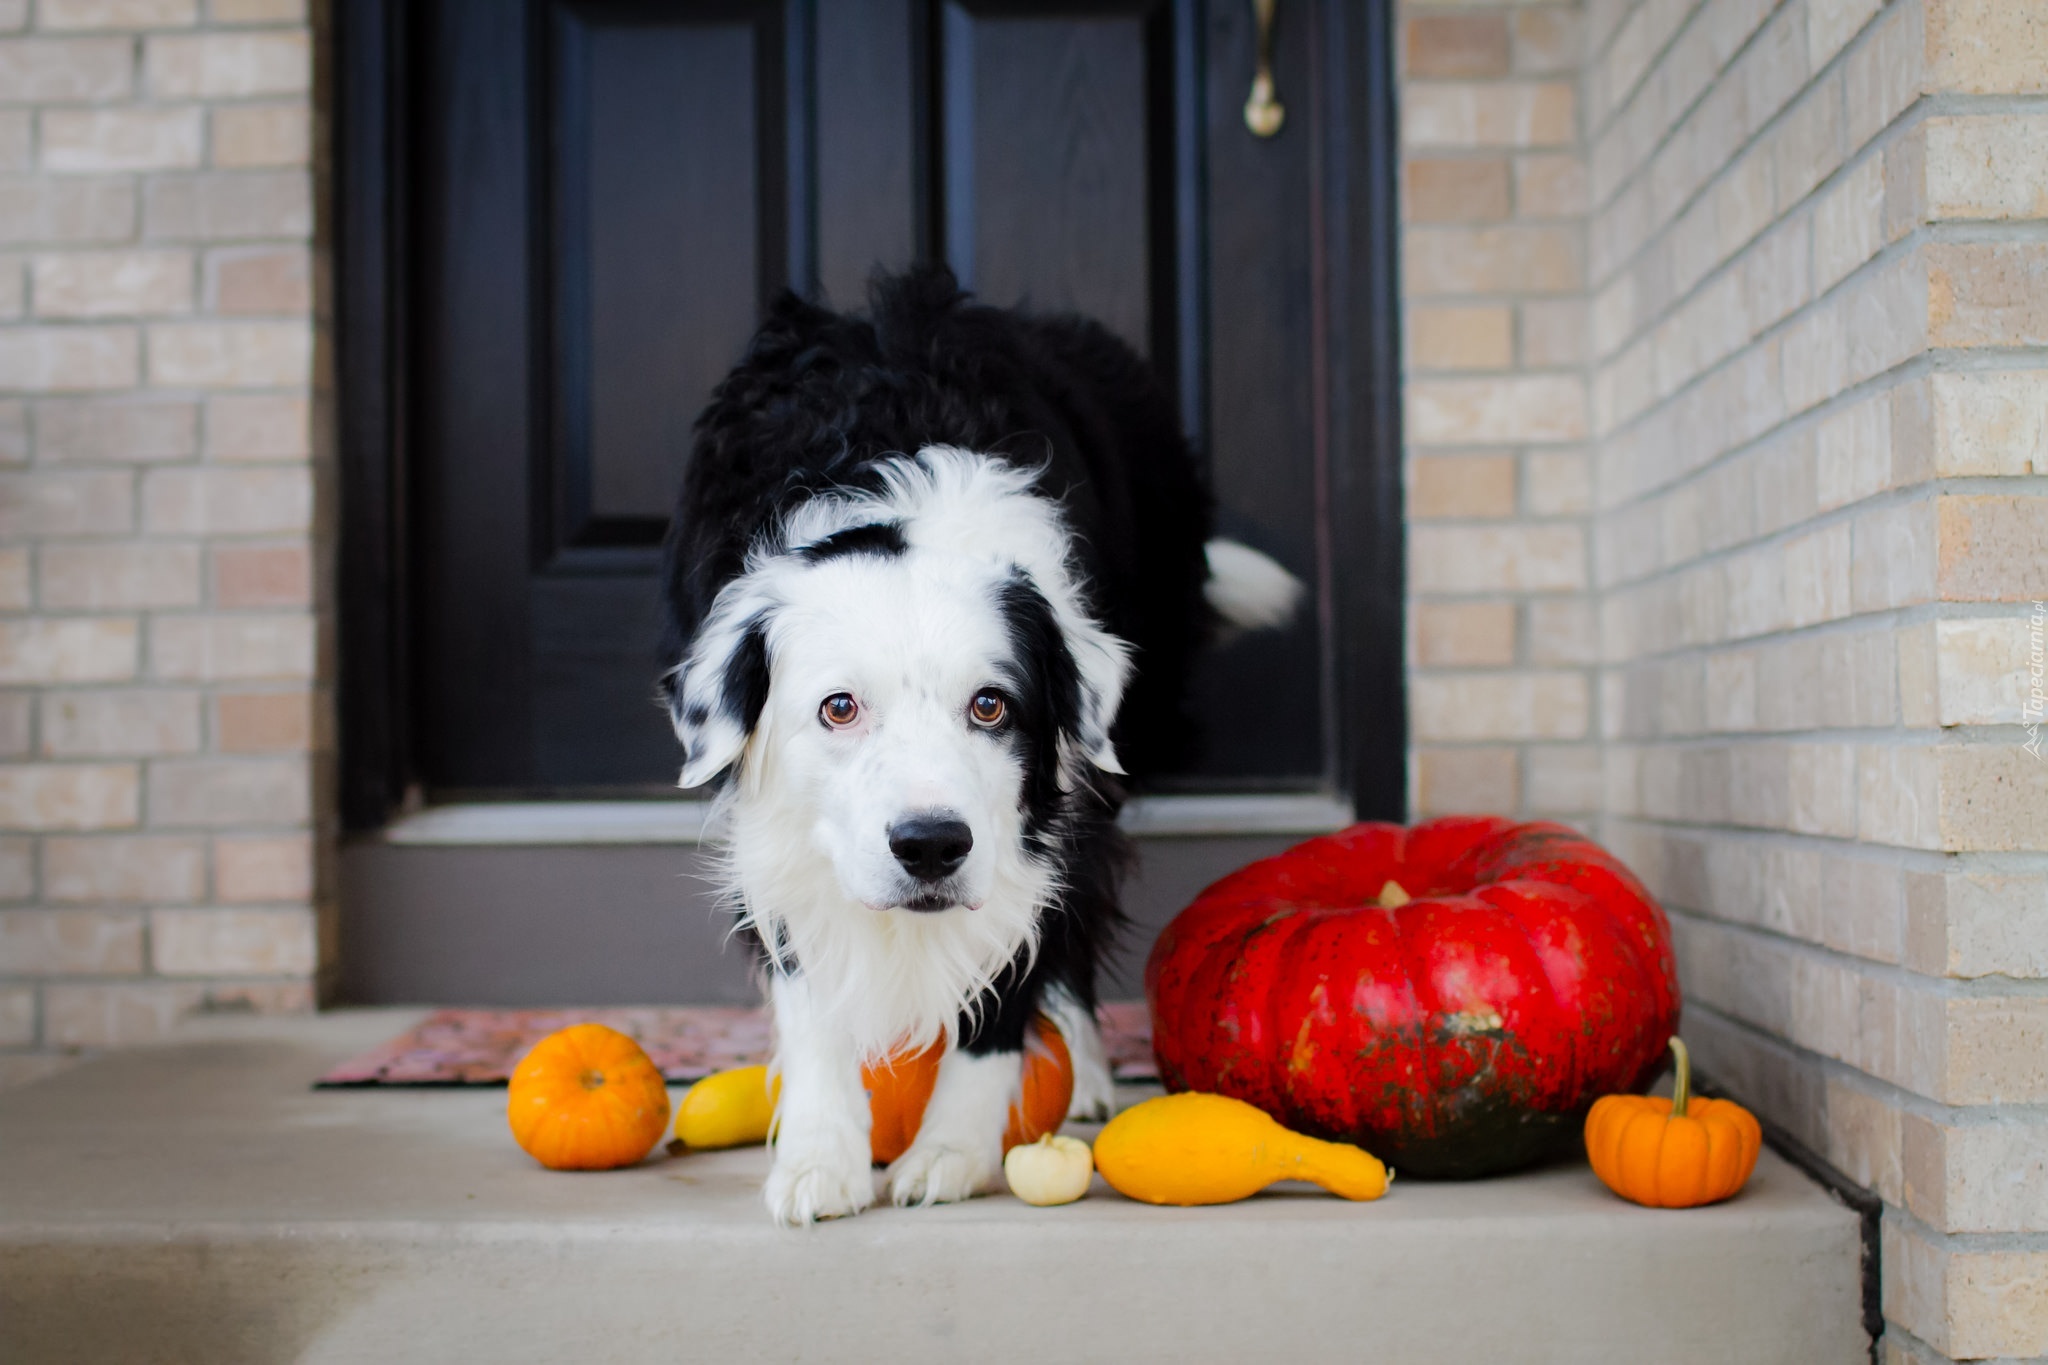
(1080,671)
(719,690)
(1103,663)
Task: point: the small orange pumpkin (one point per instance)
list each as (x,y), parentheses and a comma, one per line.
(900,1088)
(1675,1153)
(587,1098)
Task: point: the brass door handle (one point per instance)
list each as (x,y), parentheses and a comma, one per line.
(1263,114)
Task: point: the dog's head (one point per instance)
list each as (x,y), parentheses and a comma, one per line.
(911,677)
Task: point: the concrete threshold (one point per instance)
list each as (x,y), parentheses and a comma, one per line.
(198,1202)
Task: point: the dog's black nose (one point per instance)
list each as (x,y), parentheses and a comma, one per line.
(930,847)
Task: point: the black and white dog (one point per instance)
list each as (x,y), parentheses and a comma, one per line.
(932,572)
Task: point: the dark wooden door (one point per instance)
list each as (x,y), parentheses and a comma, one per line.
(599,195)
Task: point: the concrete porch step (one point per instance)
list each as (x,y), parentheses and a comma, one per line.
(197,1202)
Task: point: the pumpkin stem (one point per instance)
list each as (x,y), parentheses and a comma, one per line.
(592,1078)
(1681,1089)
(1393,896)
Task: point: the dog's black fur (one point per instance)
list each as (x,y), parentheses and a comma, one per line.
(820,395)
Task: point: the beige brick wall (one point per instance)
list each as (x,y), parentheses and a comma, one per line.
(1502,642)
(1817,266)
(1727,412)
(162,712)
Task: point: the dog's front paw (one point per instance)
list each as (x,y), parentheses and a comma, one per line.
(941,1174)
(806,1185)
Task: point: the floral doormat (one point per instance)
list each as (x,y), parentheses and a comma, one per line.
(481,1047)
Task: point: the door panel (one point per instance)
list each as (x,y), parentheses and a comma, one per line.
(604,197)
(1046,153)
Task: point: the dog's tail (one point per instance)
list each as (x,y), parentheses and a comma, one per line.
(1249,590)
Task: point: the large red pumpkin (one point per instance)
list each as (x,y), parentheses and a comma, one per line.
(1450,997)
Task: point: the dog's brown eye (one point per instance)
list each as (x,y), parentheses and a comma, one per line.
(839,710)
(988,708)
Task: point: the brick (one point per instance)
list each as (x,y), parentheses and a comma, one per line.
(1557,483)
(114,140)
(227,501)
(1562,631)
(1884,74)
(230,355)
(1458,45)
(1817,569)
(264,135)
(1830,24)
(263,576)
(13,431)
(264,722)
(17,1016)
(1496,411)
(17,869)
(1983,670)
(17,723)
(1991,167)
(1527,259)
(17,139)
(1471,559)
(69,359)
(13,289)
(1898,796)
(1991,548)
(87,14)
(1977,924)
(16,593)
(1554,333)
(1463,633)
(239,942)
(1550,186)
(132,575)
(113,284)
(1985,47)
(258,427)
(1992,424)
(66,649)
(259,281)
(1547,41)
(116,432)
(270,869)
(1976,1178)
(1455,190)
(115,1014)
(1483,706)
(1466,781)
(1563,778)
(53,796)
(1461,338)
(228,206)
(1823,790)
(1853,453)
(220,648)
(69,943)
(1508,114)
(46,209)
(1895,562)
(1848,224)
(52,70)
(1994,798)
(1987,293)
(65,504)
(219,793)
(256,11)
(94,724)
(1461,486)
(124,869)
(216,65)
